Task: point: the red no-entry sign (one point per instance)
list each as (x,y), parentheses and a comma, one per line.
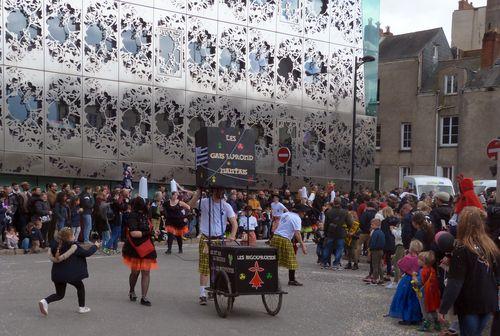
(493,149)
(284,155)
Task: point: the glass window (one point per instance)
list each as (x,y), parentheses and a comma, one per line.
(450,84)
(449,131)
(406,136)
(377,136)
(403,171)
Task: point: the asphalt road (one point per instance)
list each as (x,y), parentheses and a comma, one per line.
(330,303)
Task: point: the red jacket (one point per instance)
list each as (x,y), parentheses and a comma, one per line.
(467,195)
(430,284)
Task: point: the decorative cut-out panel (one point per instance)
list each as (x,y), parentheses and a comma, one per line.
(290,17)
(2,145)
(170,42)
(262,14)
(171,5)
(136,43)
(341,71)
(339,146)
(289,69)
(205,8)
(346,24)
(232,59)
(168,126)
(24,114)
(135,109)
(316,87)
(232,112)
(22,163)
(100,38)
(23,31)
(261,118)
(288,128)
(365,146)
(163,174)
(316,19)
(102,169)
(100,118)
(234,11)
(63,36)
(202,60)
(312,149)
(261,83)
(63,166)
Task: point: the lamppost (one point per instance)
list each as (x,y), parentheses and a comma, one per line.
(358,62)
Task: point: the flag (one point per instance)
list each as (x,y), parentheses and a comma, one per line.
(201,156)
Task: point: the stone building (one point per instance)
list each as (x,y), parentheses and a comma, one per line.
(438,113)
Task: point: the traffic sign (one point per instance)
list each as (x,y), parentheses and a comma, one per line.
(284,155)
(493,149)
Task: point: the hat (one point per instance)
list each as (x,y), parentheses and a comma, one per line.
(300,208)
(173,186)
(443,196)
(303,192)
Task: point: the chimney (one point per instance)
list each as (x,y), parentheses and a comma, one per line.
(464,5)
(491,49)
(387,32)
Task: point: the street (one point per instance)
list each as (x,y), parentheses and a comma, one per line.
(330,303)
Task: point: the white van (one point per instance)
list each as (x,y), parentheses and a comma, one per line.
(425,184)
(484,185)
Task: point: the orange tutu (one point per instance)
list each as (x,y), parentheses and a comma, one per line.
(139,264)
(176,231)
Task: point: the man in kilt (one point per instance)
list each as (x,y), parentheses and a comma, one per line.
(215,212)
(289,227)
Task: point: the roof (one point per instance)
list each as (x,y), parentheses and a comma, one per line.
(471,63)
(406,45)
(486,78)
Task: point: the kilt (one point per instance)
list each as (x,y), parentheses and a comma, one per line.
(286,255)
(203,266)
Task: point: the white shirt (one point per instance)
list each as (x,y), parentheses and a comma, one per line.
(311,197)
(332,196)
(218,211)
(289,223)
(278,209)
(248,223)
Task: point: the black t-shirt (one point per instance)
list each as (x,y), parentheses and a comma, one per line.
(479,293)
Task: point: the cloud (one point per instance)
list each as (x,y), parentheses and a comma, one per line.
(405,16)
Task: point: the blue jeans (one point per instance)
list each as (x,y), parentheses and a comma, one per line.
(339,250)
(106,237)
(26,244)
(60,224)
(327,251)
(472,325)
(115,236)
(87,227)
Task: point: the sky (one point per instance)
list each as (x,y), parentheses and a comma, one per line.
(405,16)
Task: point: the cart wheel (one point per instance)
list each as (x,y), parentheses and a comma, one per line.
(273,302)
(223,303)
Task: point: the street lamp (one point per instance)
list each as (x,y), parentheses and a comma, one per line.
(358,62)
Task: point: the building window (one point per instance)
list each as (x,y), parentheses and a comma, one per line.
(406,136)
(403,171)
(450,84)
(449,131)
(377,136)
(447,172)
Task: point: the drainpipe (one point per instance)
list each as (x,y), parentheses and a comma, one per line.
(436,131)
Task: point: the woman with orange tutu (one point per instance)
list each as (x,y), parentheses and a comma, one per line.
(176,212)
(139,252)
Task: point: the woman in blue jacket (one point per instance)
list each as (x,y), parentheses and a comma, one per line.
(69,267)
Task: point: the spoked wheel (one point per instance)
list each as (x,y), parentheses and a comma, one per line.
(273,302)
(223,303)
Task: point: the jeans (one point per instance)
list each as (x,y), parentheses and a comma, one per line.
(115,235)
(87,227)
(60,224)
(106,237)
(327,251)
(26,244)
(339,250)
(472,325)
(76,232)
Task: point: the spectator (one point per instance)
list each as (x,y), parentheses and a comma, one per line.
(337,221)
(87,206)
(61,211)
(365,224)
(442,211)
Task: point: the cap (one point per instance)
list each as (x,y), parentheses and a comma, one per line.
(443,196)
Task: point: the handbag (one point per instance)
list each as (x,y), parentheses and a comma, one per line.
(143,249)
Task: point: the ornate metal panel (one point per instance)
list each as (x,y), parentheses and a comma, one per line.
(168,126)
(136,43)
(316,18)
(341,71)
(161,173)
(261,118)
(289,53)
(290,17)
(232,59)
(100,118)
(135,109)
(232,112)
(316,88)
(262,14)
(234,11)
(63,108)
(101,169)
(202,59)
(24,115)
(63,36)
(172,5)
(261,83)
(139,169)
(23,33)
(339,144)
(148,3)
(63,166)
(170,51)
(22,163)
(201,110)
(346,26)
(365,147)
(2,137)
(100,38)
(205,8)
(288,127)
(312,150)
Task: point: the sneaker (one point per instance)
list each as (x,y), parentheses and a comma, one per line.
(338,268)
(44,307)
(348,266)
(294,283)
(391,285)
(106,251)
(425,326)
(203,301)
(145,302)
(83,310)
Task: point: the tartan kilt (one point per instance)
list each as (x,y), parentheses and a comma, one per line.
(203,265)
(286,255)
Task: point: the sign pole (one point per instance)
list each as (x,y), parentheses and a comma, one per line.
(284,177)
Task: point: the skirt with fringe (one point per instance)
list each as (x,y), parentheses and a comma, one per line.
(140,264)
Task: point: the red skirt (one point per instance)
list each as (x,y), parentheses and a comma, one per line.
(140,264)
(179,232)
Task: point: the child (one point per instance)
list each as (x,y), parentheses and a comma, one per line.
(318,239)
(72,271)
(351,242)
(11,238)
(405,303)
(428,283)
(127,177)
(377,243)
(248,223)
(36,237)
(75,214)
